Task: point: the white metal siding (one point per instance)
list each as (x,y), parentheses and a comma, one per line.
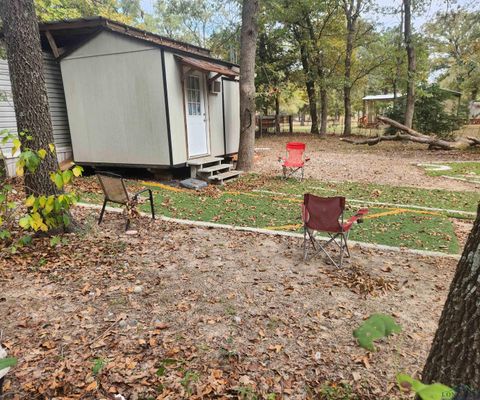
(116,104)
(217,146)
(56,101)
(176,106)
(231,93)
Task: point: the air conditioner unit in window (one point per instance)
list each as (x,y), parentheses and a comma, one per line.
(215,87)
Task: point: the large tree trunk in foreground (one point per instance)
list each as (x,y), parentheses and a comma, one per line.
(248,43)
(22,38)
(408,134)
(410,104)
(455,354)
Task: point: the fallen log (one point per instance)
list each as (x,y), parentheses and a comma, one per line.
(411,135)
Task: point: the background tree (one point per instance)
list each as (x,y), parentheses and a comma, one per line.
(29,92)
(454,41)
(411,66)
(352,10)
(454,357)
(195,21)
(248,47)
(126,11)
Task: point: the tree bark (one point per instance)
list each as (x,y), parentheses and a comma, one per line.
(277,113)
(411,62)
(309,82)
(455,353)
(352,12)
(323,111)
(24,53)
(248,43)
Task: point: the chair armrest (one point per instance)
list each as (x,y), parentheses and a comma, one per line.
(305,213)
(142,191)
(359,214)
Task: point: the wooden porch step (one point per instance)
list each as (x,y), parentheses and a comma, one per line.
(214,168)
(220,178)
(204,160)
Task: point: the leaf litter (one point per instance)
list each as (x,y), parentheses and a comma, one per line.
(184,312)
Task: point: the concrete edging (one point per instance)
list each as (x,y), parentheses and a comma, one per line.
(276,233)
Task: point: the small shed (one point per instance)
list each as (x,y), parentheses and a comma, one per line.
(372,104)
(137,99)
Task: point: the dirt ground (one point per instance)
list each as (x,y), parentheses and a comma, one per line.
(392,163)
(182,312)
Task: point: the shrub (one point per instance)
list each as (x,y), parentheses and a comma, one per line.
(432,115)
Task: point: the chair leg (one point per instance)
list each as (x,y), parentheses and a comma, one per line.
(102,212)
(305,250)
(342,250)
(302,174)
(151,204)
(284,170)
(127,225)
(346,245)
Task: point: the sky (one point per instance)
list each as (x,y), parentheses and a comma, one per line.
(433,6)
(389,21)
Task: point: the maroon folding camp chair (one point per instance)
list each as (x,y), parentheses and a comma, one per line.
(325,214)
(295,159)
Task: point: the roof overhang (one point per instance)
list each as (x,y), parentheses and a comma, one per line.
(207,66)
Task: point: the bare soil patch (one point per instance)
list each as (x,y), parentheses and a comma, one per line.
(385,163)
(182,312)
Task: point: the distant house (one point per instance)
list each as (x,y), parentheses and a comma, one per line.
(120,96)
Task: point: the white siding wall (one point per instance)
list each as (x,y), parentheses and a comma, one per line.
(115,100)
(231,93)
(215,113)
(57,107)
(176,106)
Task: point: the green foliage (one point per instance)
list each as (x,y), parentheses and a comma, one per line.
(43,213)
(334,391)
(126,11)
(98,365)
(436,112)
(7,362)
(435,391)
(189,378)
(377,326)
(454,37)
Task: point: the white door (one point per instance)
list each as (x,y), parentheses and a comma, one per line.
(196,115)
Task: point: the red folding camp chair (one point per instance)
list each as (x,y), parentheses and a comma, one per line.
(325,214)
(295,159)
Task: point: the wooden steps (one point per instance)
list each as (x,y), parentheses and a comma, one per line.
(212,170)
(204,160)
(224,176)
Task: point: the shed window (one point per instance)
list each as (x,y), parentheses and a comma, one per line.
(194,95)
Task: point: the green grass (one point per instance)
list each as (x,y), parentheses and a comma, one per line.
(458,168)
(462,201)
(253,202)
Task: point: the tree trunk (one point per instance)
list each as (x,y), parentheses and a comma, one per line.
(410,106)
(312,104)
(248,42)
(309,80)
(24,53)
(277,113)
(323,111)
(474,94)
(455,353)
(347,85)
